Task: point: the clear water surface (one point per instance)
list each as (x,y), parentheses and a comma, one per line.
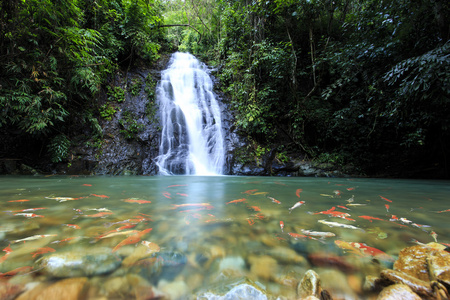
(220,239)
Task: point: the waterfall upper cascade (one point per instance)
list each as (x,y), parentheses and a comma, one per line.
(192,139)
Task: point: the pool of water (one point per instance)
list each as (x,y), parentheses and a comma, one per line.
(210,231)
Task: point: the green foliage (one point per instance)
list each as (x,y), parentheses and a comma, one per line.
(116,93)
(135,88)
(130,127)
(58,148)
(107,111)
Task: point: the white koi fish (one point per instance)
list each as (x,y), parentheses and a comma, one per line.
(336,224)
(321,234)
(298,204)
(34,237)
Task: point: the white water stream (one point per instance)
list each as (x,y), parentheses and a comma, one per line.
(192,139)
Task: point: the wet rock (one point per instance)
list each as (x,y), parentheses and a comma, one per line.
(9,291)
(242,291)
(412,261)
(398,292)
(286,255)
(439,266)
(264,267)
(233,262)
(126,286)
(67,289)
(335,282)
(374,284)
(174,290)
(309,285)
(164,265)
(79,263)
(420,287)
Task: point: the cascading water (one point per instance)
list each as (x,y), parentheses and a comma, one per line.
(192,139)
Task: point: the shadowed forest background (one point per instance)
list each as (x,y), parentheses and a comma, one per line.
(364,83)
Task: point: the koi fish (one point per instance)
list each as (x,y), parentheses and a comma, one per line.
(326,195)
(325,212)
(66,240)
(386,199)
(351,189)
(297,192)
(255,208)
(393,218)
(21,200)
(174,185)
(136,238)
(336,224)
(351,199)
(99,196)
(362,249)
(259,193)
(115,232)
(27,209)
(274,200)
(296,235)
(184,195)
(355,204)
(320,234)
(42,251)
(237,201)
(152,247)
(86,184)
(447,210)
(74,226)
(281,225)
(387,207)
(434,235)
(298,204)
(369,218)
(8,251)
(100,209)
(167,195)
(343,207)
(34,237)
(337,193)
(63,199)
(131,200)
(25,269)
(99,215)
(206,205)
(250,222)
(29,215)
(249,192)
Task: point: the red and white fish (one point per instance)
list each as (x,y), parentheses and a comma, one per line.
(42,251)
(29,215)
(362,249)
(281,225)
(298,204)
(274,200)
(99,196)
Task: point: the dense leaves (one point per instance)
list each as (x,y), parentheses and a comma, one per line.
(56,55)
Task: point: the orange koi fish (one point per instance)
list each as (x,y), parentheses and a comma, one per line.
(369,218)
(136,238)
(362,249)
(281,225)
(386,199)
(99,215)
(167,195)
(8,251)
(343,207)
(21,200)
(74,226)
(387,207)
(99,196)
(86,184)
(181,194)
(25,269)
(66,240)
(250,222)
(136,201)
(296,235)
(237,201)
(447,210)
(298,191)
(351,189)
(325,212)
(255,208)
(177,185)
(30,209)
(42,251)
(298,204)
(249,192)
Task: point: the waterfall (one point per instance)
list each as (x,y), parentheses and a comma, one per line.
(191,139)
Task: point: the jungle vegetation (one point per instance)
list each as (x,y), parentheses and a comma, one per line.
(353,82)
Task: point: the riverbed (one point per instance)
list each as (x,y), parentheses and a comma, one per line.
(183,236)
